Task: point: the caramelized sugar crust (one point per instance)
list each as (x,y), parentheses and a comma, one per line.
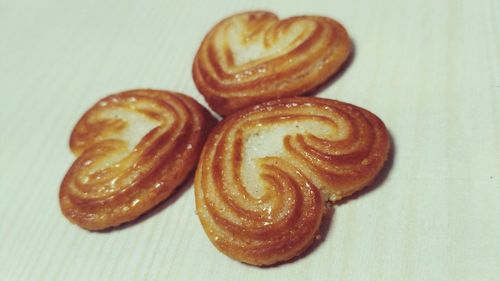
(134,148)
(254,57)
(267,172)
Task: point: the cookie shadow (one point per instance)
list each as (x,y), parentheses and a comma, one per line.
(337,75)
(379,179)
(176,194)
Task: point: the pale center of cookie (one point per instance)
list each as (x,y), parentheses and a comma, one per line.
(268,141)
(138,125)
(247,47)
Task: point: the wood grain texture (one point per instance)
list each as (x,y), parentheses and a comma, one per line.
(429,69)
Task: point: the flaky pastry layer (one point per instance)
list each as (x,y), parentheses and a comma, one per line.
(266,173)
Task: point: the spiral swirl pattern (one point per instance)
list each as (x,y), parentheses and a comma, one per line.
(266,172)
(134,148)
(254,57)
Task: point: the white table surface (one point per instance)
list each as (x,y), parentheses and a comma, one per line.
(430,69)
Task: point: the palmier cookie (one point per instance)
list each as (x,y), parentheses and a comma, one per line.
(267,172)
(134,148)
(254,57)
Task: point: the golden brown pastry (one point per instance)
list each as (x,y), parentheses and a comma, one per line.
(134,148)
(266,173)
(254,57)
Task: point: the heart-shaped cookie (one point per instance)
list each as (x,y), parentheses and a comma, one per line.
(253,57)
(134,149)
(267,171)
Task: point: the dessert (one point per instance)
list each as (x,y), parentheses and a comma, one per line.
(266,173)
(134,148)
(252,57)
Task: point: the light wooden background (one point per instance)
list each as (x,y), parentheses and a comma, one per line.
(430,69)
